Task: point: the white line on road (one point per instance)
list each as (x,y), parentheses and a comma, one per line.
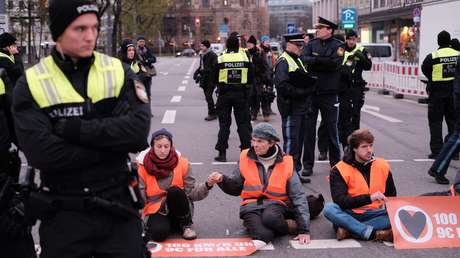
(176,99)
(423,160)
(410,101)
(196,163)
(384,117)
(377,109)
(395,160)
(181,88)
(185,82)
(326,244)
(164,73)
(321,161)
(187,77)
(189,72)
(225,163)
(169,117)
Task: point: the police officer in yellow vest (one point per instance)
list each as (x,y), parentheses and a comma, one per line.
(360,185)
(129,56)
(273,201)
(356,59)
(78,114)
(439,68)
(233,75)
(295,90)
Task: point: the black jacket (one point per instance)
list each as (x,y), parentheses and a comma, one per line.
(208,61)
(14,70)
(323,59)
(435,88)
(85,149)
(259,60)
(339,189)
(359,62)
(294,89)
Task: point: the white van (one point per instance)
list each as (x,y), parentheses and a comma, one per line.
(380,51)
(217,48)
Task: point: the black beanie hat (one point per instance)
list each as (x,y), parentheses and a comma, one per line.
(6,40)
(350,33)
(63,12)
(443,38)
(162,131)
(252,40)
(206,43)
(233,43)
(455,44)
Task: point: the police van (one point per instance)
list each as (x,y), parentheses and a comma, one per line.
(380,51)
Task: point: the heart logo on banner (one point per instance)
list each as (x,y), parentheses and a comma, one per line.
(415,223)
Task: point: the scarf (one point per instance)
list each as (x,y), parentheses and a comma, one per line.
(160,168)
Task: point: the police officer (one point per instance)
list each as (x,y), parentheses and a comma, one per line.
(351,97)
(323,56)
(439,68)
(295,92)
(78,114)
(233,75)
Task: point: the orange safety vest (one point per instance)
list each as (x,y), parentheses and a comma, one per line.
(253,187)
(357,185)
(155,195)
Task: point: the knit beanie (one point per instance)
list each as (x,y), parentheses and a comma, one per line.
(265,131)
(206,43)
(63,12)
(443,38)
(6,40)
(252,40)
(233,43)
(164,132)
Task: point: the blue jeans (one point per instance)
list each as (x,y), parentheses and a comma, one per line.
(449,149)
(359,224)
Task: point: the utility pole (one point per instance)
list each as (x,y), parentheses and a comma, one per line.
(29,32)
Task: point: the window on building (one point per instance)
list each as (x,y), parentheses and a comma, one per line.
(382,3)
(188,2)
(22,5)
(225,2)
(205,3)
(376,3)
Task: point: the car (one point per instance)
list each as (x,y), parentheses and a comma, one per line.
(186,52)
(380,51)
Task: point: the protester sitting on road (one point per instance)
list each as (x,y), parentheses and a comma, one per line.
(169,188)
(271,192)
(360,184)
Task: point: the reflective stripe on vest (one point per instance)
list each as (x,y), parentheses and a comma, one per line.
(10,57)
(347,54)
(277,183)
(357,185)
(2,87)
(233,68)
(49,85)
(444,64)
(135,67)
(292,63)
(155,195)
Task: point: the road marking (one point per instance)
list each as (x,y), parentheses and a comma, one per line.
(164,73)
(189,72)
(321,161)
(225,163)
(376,109)
(187,77)
(326,244)
(196,163)
(169,117)
(181,88)
(410,101)
(185,82)
(176,99)
(423,160)
(384,117)
(395,160)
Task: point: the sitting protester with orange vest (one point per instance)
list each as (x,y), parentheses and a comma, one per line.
(360,184)
(166,180)
(272,194)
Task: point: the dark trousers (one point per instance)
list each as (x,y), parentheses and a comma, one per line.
(449,149)
(293,127)
(148,84)
(208,92)
(238,101)
(267,223)
(351,103)
(323,141)
(23,247)
(440,108)
(257,101)
(327,105)
(91,234)
(159,226)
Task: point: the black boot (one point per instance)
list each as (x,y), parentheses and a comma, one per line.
(221,157)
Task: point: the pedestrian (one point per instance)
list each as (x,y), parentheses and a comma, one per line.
(439,68)
(268,93)
(169,188)
(147,60)
(351,94)
(128,56)
(233,75)
(323,56)
(260,79)
(202,75)
(360,185)
(78,113)
(450,149)
(266,182)
(295,89)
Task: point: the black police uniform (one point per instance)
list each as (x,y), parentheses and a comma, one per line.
(351,96)
(81,150)
(203,76)
(261,77)
(323,58)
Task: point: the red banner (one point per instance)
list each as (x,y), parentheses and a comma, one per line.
(202,247)
(425,221)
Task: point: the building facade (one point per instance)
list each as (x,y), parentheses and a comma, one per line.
(327,9)
(284,13)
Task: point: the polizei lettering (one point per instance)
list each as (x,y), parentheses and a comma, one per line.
(451,59)
(66,112)
(234,65)
(87,8)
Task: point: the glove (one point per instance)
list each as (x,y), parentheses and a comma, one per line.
(359,55)
(13,221)
(68,129)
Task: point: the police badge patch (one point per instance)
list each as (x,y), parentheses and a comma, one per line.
(140,91)
(340,51)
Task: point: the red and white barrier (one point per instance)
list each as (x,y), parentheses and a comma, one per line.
(396,77)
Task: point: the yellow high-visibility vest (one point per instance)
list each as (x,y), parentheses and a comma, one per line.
(347,54)
(135,67)
(10,57)
(293,66)
(444,64)
(233,68)
(49,86)
(2,87)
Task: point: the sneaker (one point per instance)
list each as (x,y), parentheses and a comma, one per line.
(322,156)
(259,244)
(342,234)
(384,235)
(292,227)
(189,233)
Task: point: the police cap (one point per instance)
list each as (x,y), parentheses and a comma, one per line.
(294,37)
(325,23)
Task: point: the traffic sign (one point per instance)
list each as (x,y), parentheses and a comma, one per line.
(349,18)
(290,28)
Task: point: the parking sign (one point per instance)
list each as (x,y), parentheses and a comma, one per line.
(349,18)
(290,28)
